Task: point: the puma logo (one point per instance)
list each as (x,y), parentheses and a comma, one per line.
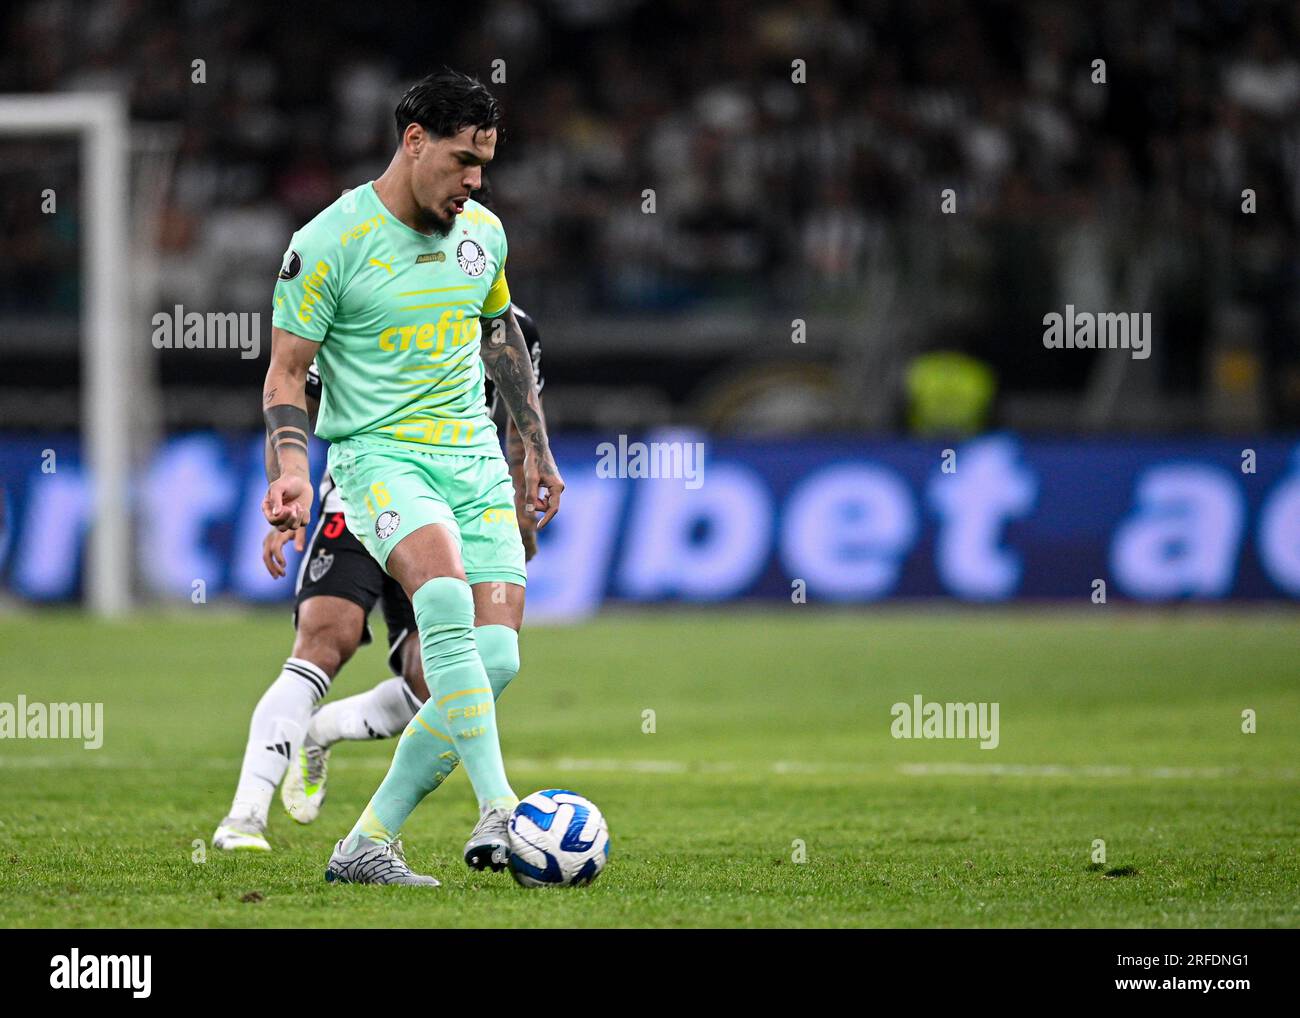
(382,265)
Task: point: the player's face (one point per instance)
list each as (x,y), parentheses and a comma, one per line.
(446,171)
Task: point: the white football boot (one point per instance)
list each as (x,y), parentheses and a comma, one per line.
(303,790)
(241,834)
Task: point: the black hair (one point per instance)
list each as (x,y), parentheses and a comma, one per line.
(446,102)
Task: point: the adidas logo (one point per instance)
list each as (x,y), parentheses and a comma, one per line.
(280,747)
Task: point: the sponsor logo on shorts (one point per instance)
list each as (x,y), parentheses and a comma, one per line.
(499,516)
(387,524)
(320,565)
(471,258)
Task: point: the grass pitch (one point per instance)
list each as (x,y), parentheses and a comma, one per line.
(771,744)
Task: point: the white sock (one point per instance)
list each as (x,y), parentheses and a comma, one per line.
(275,733)
(378,713)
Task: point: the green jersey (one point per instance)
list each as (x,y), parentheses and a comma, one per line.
(397,316)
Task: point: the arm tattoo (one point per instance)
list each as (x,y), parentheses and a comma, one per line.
(506,355)
(271,460)
(286,428)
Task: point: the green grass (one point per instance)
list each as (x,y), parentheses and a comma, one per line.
(771,727)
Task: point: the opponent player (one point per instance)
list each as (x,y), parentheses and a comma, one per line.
(338,584)
(387,288)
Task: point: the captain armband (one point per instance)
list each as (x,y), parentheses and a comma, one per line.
(286,426)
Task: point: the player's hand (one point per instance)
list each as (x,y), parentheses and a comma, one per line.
(273,548)
(542,486)
(287,505)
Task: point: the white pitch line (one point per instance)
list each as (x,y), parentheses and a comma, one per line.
(103,761)
(96,760)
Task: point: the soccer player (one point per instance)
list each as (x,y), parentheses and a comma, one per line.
(396,289)
(338,584)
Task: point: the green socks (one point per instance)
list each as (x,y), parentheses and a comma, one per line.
(498,648)
(465,668)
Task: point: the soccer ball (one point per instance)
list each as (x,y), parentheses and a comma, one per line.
(557,838)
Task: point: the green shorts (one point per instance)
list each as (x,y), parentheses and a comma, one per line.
(389,492)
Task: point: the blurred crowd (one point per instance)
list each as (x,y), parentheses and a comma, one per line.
(798,154)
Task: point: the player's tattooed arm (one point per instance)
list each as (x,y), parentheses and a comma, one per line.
(515,462)
(284,406)
(505,353)
(275,540)
(270,459)
(514,445)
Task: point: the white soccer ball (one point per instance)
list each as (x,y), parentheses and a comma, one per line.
(557,838)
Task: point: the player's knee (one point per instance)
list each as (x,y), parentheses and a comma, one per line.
(324,643)
(498,647)
(326,656)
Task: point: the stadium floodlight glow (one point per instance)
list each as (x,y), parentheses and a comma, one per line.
(99,119)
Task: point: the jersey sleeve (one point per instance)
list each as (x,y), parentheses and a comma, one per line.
(307,288)
(497,302)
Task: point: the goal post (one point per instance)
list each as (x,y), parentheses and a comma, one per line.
(99,120)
